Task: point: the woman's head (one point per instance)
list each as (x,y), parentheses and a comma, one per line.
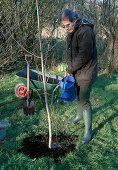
(68,14)
(68,19)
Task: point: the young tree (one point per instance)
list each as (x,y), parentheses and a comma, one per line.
(44,79)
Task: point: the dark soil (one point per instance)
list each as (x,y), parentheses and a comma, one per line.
(37,146)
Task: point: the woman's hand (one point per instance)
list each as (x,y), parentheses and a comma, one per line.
(67,74)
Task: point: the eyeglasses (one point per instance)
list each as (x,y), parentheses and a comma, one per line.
(69,25)
(66,26)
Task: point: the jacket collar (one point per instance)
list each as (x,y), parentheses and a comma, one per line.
(80,22)
(77,25)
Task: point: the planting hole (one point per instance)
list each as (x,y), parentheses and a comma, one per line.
(37,146)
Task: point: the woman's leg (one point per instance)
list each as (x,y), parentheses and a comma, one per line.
(84,96)
(79,114)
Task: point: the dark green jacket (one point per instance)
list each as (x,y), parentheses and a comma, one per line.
(82,53)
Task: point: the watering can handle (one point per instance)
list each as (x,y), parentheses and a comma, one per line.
(64,84)
(28,58)
(66,79)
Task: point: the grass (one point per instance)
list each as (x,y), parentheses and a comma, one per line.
(100,153)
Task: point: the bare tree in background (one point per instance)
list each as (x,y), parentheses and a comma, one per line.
(109,24)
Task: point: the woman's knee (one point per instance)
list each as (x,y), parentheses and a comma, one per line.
(85,104)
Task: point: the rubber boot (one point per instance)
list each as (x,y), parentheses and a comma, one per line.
(87,116)
(78,116)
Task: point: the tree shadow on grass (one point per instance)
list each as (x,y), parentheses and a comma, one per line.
(104,81)
(101,125)
(109,103)
(103,107)
(96,159)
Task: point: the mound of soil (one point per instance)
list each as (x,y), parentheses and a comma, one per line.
(37,146)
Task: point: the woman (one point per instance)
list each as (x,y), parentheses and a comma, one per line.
(82,64)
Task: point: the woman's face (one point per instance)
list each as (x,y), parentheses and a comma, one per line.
(68,25)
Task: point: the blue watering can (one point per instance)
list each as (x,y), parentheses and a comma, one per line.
(68,92)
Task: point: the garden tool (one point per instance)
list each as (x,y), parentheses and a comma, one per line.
(87,116)
(28,105)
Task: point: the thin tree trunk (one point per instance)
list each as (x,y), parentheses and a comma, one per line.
(44,79)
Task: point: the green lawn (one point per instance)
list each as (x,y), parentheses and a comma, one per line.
(100,153)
